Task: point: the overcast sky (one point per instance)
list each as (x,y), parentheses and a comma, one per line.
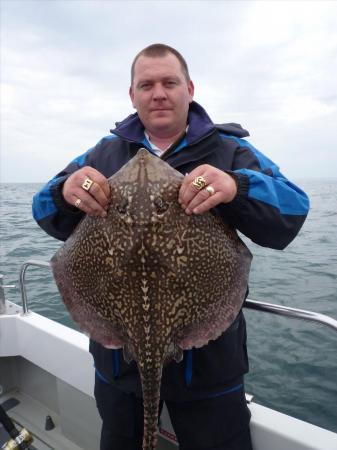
(271,66)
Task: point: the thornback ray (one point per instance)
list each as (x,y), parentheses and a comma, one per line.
(149,278)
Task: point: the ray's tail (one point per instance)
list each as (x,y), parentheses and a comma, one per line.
(151,396)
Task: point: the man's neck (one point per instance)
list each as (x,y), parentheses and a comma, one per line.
(164,142)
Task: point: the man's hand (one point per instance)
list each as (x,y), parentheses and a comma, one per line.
(93,202)
(199,201)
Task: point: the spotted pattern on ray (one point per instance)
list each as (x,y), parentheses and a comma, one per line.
(150,278)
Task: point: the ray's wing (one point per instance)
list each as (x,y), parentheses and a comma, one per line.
(219,289)
(84,277)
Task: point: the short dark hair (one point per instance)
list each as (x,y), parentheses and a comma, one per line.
(159,50)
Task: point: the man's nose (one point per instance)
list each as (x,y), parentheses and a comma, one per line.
(159,92)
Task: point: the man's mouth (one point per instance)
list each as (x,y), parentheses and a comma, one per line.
(161,109)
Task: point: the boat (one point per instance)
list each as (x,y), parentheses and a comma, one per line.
(47,380)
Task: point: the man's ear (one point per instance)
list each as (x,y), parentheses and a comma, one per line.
(190,87)
(132,97)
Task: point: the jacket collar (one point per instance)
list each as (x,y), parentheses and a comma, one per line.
(199,122)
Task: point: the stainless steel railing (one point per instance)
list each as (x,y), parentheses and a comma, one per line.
(24,267)
(271,308)
(293,313)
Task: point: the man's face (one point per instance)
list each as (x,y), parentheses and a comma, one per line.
(161,94)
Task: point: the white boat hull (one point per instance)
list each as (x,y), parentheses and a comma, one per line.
(47,368)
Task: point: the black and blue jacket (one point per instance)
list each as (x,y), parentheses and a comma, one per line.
(268,209)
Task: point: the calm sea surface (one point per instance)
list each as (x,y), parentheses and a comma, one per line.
(293,364)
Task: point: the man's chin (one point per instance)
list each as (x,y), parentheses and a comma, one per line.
(162,123)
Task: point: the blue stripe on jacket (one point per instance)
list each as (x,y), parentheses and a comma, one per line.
(264,162)
(81,160)
(43,203)
(188,367)
(274,190)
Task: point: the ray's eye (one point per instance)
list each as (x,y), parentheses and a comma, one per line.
(160,205)
(122,207)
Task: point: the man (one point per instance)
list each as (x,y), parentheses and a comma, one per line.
(204,393)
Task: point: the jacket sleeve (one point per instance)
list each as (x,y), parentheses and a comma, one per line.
(52,213)
(268,208)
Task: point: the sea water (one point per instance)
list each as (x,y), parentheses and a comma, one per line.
(293,364)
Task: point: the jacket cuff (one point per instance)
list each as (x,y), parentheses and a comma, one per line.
(62,205)
(242,184)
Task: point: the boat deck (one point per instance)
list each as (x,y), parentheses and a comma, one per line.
(28,413)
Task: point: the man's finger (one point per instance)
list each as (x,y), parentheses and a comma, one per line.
(189,191)
(91,187)
(87,204)
(98,178)
(206,205)
(187,181)
(97,192)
